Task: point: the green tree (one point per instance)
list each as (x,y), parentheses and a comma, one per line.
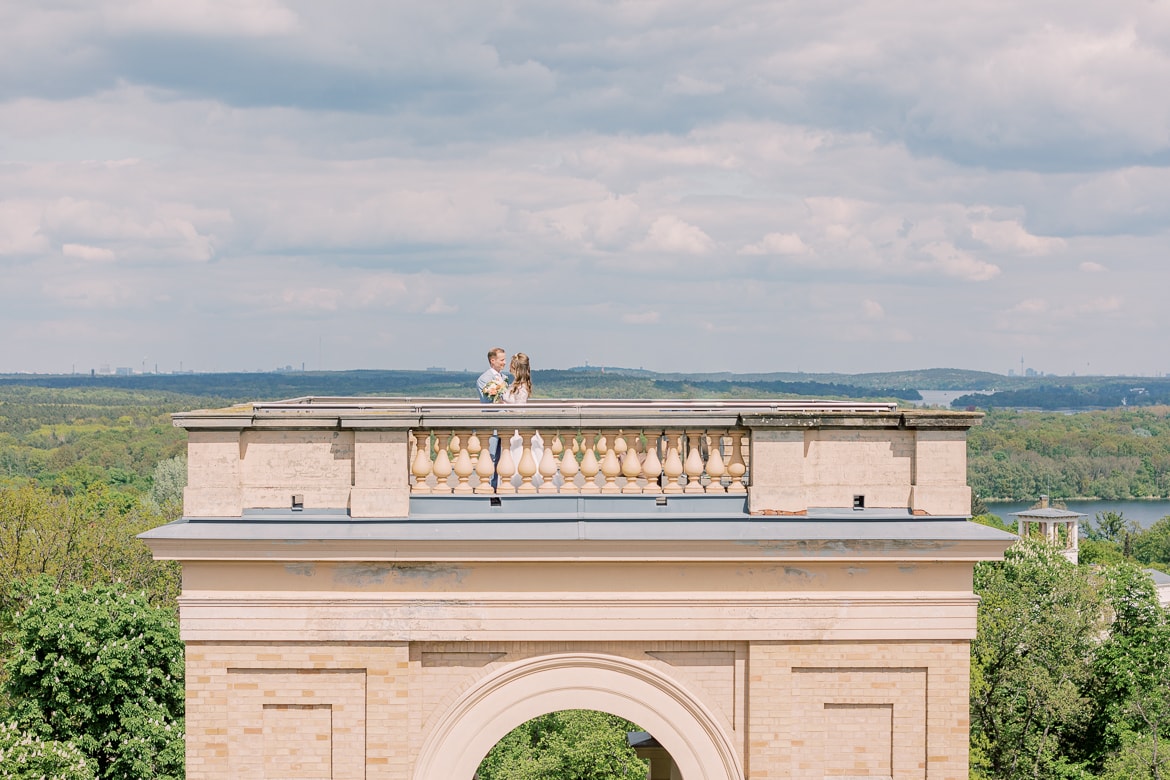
(26,756)
(85,539)
(167,483)
(1132,672)
(1153,544)
(102,669)
(565,745)
(1038,625)
(1109,527)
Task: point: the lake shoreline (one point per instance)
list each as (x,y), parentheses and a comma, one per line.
(1079,499)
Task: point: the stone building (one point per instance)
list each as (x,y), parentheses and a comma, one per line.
(768,589)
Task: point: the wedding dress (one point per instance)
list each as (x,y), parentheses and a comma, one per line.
(516,395)
(516,446)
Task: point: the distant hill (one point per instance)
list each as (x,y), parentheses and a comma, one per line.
(998,391)
(571,383)
(1065,393)
(917,379)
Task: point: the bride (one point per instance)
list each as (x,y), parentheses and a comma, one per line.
(521,381)
(518,394)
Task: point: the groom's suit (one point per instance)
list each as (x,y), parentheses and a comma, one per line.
(483,380)
(494,440)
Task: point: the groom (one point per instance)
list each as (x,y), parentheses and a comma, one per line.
(496,359)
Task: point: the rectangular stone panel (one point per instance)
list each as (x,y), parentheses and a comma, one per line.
(298,741)
(861,744)
(299,724)
(859,722)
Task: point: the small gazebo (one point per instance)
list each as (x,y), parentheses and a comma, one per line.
(1057,526)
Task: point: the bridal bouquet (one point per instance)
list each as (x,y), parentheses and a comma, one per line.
(495,390)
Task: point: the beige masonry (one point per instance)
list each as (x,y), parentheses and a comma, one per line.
(379,631)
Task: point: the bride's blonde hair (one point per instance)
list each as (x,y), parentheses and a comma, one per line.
(521,375)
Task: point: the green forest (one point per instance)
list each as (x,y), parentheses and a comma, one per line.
(1070,671)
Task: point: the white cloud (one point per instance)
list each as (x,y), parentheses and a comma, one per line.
(872,310)
(20,228)
(776,244)
(439,306)
(84,252)
(690,85)
(1104,305)
(641,318)
(671,234)
(960,264)
(1031,306)
(229,18)
(1010,236)
(344,169)
(309,299)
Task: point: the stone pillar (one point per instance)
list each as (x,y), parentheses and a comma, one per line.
(380,474)
(777,471)
(213,475)
(940,473)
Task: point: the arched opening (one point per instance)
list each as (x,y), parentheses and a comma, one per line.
(568,743)
(578,681)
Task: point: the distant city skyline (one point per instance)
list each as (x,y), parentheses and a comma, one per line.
(107,370)
(689,187)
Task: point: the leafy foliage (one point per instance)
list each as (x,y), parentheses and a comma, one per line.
(1132,671)
(1089,393)
(1112,455)
(566,745)
(82,539)
(1031,663)
(25,756)
(102,669)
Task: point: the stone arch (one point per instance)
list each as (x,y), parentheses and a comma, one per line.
(570,681)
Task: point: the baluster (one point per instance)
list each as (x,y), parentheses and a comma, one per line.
(619,444)
(473,445)
(547,468)
(632,468)
(527,466)
(442,467)
(715,467)
(736,468)
(610,467)
(464,468)
(505,469)
(589,467)
(652,467)
(569,467)
(484,468)
(673,467)
(421,466)
(693,465)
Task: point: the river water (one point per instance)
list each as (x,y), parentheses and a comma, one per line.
(1144,512)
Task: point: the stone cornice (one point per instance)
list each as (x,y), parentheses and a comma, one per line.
(555,616)
(746,550)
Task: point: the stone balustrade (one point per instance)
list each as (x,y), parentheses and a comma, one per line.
(373,457)
(606,461)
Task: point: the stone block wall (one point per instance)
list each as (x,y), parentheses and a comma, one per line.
(791,709)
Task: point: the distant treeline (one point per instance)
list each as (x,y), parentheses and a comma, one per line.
(1113,454)
(765,388)
(556,383)
(1097,395)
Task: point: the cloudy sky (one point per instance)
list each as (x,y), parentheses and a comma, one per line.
(681,186)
